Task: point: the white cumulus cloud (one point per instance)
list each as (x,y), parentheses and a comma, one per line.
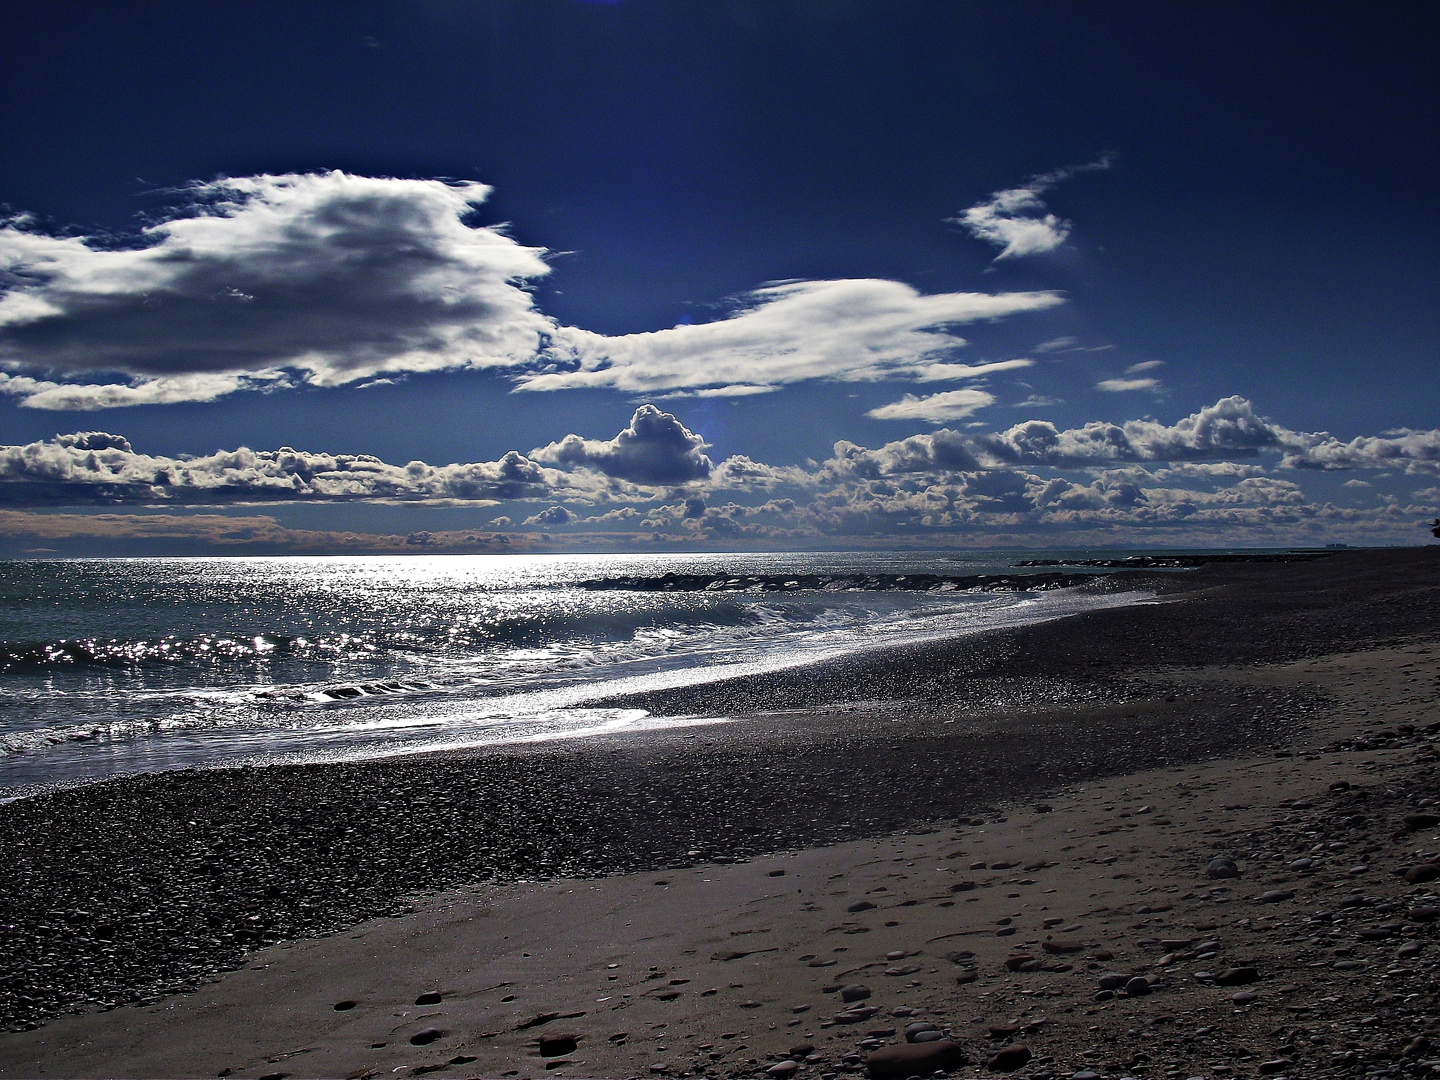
(332,276)
(268,282)
(656,448)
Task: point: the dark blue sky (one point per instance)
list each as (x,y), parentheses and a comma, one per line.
(1266,226)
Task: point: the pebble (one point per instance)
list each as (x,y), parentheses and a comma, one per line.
(1237,976)
(557,1045)
(1274,896)
(915,1059)
(860,905)
(1421,821)
(854,992)
(432,998)
(1010,1059)
(426,1036)
(1138,986)
(783,1069)
(1222,868)
(1114,981)
(1417,875)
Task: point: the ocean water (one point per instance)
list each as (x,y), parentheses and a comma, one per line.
(120,666)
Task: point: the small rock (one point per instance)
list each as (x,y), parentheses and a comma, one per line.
(800,1051)
(783,1069)
(1274,896)
(1009,1059)
(1411,948)
(431,998)
(926,1036)
(1138,986)
(854,992)
(1222,868)
(344,1006)
(557,1045)
(915,1059)
(1237,976)
(860,905)
(1114,981)
(1424,913)
(1416,1047)
(1424,872)
(1245,997)
(1421,821)
(1277,1065)
(426,1036)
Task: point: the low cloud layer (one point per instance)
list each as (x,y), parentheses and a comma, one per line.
(1229,429)
(102,469)
(268,282)
(1212,476)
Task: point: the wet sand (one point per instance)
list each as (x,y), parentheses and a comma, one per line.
(1180,707)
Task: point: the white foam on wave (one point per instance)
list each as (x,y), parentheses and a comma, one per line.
(545,695)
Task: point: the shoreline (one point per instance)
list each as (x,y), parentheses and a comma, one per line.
(258,856)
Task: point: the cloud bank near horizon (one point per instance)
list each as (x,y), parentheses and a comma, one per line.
(1211,473)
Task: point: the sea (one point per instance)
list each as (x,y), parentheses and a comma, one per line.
(111,667)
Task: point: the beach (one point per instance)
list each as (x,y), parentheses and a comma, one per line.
(981,834)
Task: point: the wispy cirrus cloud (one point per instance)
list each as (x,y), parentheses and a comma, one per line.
(935,408)
(850,330)
(1016,220)
(1121,386)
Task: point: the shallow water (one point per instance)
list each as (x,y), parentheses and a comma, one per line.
(120,666)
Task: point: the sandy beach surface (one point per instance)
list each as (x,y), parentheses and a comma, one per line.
(1195,838)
